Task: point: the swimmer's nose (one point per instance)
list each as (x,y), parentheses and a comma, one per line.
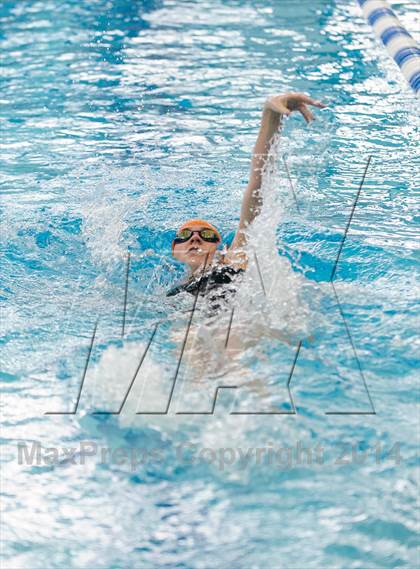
(196,238)
(196,241)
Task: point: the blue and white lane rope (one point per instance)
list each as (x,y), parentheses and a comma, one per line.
(400,45)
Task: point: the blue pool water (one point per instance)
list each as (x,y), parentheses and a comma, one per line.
(121,119)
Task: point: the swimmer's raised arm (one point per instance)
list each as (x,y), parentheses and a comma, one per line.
(274,108)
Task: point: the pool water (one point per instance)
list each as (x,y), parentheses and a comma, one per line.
(119,121)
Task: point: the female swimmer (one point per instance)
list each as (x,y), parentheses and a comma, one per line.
(196,240)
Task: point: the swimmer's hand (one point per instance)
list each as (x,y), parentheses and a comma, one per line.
(289,102)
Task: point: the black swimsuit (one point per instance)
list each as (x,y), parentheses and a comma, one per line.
(213,284)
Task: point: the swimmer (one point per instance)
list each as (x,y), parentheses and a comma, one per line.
(211,270)
(196,240)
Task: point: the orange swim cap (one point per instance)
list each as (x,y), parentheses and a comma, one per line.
(200,222)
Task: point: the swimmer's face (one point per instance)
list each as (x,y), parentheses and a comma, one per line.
(195,250)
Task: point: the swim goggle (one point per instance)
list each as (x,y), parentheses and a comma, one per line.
(206,235)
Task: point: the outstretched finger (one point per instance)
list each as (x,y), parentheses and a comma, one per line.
(318,104)
(306,113)
(314,102)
